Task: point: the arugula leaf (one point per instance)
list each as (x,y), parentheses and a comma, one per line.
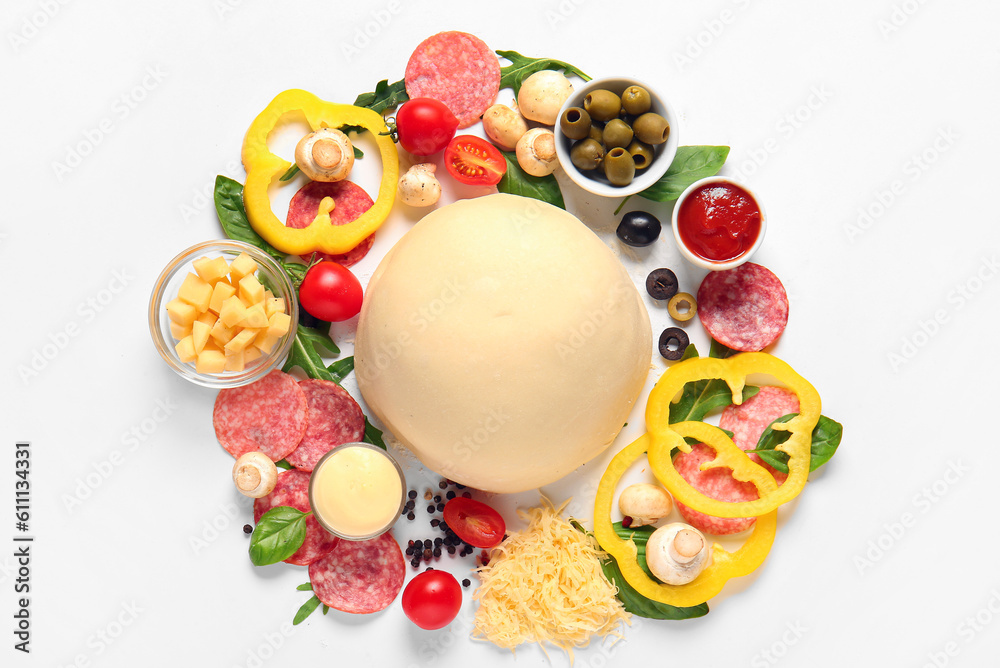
(290,173)
(233,217)
(326,608)
(826,437)
(373,435)
(279,533)
(341,369)
(521,67)
(518,182)
(306,352)
(386,96)
(690,164)
(307,609)
(283,464)
(308,586)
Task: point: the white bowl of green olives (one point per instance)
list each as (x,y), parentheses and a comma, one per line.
(616,136)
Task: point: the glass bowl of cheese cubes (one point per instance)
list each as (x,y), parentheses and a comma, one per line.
(223,314)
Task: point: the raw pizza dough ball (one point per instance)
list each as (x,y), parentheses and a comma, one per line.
(502,342)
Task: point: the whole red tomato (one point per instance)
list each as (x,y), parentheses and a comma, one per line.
(331,292)
(432,599)
(475,161)
(424,126)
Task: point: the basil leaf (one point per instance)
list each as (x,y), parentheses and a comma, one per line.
(290,174)
(690,164)
(306,355)
(278,534)
(518,182)
(233,217)
(826,437)
(386,96)
(373,435)
(719,351)
(340,369)
(283,464)
(326,608)
(347,128)
(701,397)
(521,67)
(308,586)
(307,609)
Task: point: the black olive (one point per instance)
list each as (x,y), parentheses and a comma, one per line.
(673,343)
(638,228)
(661,284)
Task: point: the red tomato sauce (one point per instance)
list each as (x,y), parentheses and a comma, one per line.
(719,221)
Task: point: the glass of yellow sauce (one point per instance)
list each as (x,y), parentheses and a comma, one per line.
(357,491)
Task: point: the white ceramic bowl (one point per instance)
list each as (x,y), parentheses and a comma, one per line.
(594,181)
(700,261)
(166,289)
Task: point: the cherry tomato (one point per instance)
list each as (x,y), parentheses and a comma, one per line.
(474,522)
(474,161)
(330,292)
(425,125)
(432,599)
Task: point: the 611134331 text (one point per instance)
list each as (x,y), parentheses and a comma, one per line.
(22,546)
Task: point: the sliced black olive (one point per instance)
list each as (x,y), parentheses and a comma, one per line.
(661,284)
(673,342)
(638,228)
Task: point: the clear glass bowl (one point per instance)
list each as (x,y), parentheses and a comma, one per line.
(273,276)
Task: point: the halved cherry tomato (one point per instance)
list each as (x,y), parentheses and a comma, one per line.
(474,161)
(474,522)
(331,292)
(425,125)
(432,599)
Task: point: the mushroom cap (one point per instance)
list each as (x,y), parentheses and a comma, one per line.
(325,155)
(674,556)
(542,96)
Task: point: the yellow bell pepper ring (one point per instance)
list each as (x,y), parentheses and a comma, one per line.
(725,565)
(664,437)
(264,168)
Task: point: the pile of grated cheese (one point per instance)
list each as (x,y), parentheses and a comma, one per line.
(545,585)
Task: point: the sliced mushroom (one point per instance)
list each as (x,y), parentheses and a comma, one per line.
(677,553)
(255,475)
(325,155)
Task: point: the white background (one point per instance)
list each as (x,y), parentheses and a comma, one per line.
(831,109)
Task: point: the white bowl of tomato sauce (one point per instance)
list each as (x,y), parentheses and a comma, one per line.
(718,223)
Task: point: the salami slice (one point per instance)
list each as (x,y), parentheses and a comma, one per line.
(457,69)
(749,420)
(350,201)
(292,489)
(268,415)
(717,483)
(360,576)
(334,419)
(745,308)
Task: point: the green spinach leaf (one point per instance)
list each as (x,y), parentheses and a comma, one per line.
(386,96)
(373,434)
(278,534)
(306,353)
(826,437)
(521,67)
(233,217)
(307,609)
(518,182)
(690,164)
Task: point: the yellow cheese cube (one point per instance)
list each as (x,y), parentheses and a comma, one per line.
(222,334)
(179,331)
(212,344)
(220,293)
(250,354)
(251,291)
(181,312)
(244,265)
(279,324)
(199,334)
(211,271)
(266,342)
(273,305)
(195,292)
(241,341)
(256,317)
(208,318)
(232,312)
(268,295)
(211,361)
(185,349)
(235,362)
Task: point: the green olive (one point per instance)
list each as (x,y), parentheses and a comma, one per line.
(596,133)
(587,154)
(651,129)
(575,123)
(642,154)
(636,100)
(619,167)
(602,105)
(617,133)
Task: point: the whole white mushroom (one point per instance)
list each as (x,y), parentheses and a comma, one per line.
(677,553)
(542,95)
